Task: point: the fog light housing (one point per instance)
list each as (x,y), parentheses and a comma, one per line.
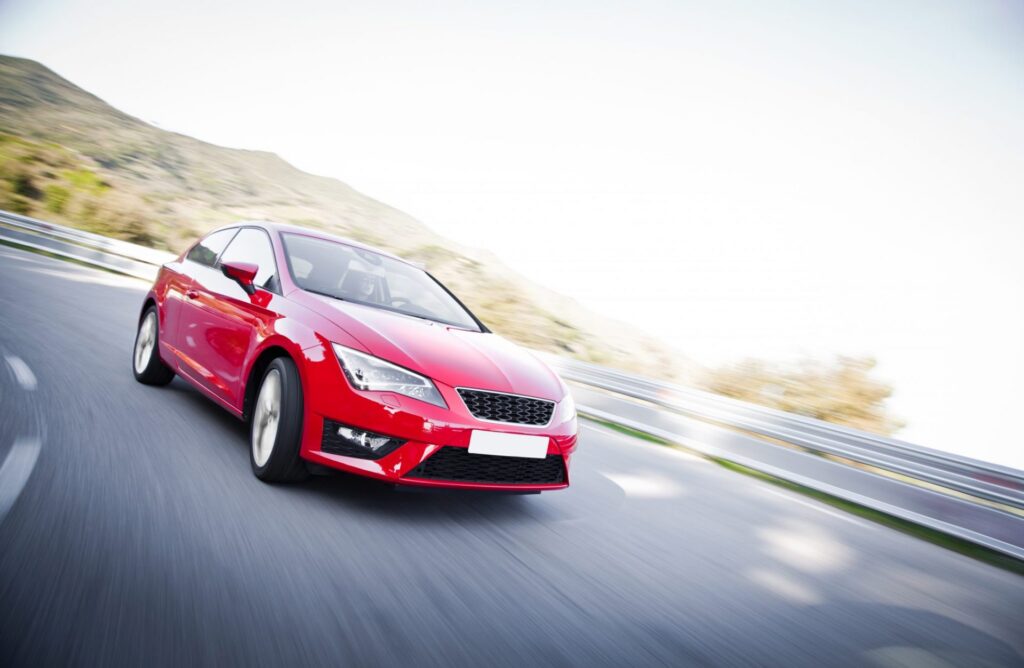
(342,439)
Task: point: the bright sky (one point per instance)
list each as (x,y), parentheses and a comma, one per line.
(737,178)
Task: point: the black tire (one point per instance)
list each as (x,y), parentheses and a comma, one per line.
(146,363)
(282,462)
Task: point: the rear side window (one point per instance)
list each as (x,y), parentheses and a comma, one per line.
(206,251)
(253,245)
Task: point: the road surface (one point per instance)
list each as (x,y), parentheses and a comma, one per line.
(132,532)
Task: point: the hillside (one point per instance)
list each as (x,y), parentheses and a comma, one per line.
(67,156)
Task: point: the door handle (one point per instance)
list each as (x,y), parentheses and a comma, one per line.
(191,294)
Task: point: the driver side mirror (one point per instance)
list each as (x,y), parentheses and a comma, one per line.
(243,273)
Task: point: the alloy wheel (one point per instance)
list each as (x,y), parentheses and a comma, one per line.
(266,417)
(145,342)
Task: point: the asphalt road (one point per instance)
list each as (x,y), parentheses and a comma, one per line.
(133,533)
(999,529)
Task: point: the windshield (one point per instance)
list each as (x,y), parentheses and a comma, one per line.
(364,277)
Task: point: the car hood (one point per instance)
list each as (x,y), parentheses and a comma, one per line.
(450,355)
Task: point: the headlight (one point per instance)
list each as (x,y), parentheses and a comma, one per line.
(567,407)
(366,372)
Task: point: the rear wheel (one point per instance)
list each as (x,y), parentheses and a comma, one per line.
(146,362)
(276,431)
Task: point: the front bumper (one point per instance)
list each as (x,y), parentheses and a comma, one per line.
(403,467)
(425,428)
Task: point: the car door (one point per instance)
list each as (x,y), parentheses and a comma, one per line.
(226,323)
(176,283)
(203,256)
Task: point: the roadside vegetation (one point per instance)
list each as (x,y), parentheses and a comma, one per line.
(51,182)
(842,391)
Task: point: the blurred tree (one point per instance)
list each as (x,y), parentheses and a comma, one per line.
(842,392)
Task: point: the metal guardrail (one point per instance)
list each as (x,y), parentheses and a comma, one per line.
(962,475)
(972,477)
(110,254)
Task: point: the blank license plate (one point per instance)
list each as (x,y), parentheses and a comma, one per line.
(508,445)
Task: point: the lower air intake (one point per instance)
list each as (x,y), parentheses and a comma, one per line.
(459,465)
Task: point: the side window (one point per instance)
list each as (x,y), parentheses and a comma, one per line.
(253,245)
(206,251)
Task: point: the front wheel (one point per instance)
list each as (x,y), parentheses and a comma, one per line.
(276,432)
(146,362)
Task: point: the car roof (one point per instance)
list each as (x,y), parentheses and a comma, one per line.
(271,226)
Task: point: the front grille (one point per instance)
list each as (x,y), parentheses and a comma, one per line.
(458,464)
(511,408)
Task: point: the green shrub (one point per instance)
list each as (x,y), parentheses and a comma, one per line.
(11,201)
(84,179)
(55,198)
(23,185)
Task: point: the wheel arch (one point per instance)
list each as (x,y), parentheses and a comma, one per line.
(149,301)
(269,353)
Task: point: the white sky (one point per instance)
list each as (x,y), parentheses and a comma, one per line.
(737,178)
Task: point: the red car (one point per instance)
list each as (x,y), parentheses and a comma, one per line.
(346,357)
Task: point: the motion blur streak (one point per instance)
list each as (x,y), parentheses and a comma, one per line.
(141,538)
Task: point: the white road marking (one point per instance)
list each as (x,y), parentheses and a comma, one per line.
(631,484)
(804,546)
(15,471)
(785,585)
(820,509)
(22,373)
(649,486)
